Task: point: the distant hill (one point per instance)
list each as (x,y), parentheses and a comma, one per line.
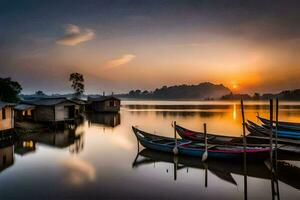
(202,91)
(289,95)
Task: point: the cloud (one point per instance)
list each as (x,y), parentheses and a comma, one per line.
(74,35)
(124,59)
(79,171)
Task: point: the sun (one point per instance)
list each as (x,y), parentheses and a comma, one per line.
(234,86)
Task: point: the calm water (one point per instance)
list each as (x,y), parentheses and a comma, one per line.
(99,158)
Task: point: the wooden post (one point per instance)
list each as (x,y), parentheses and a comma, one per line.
(271,131)
(175,161)
(274,175)
(175,149)
(206,180)
(245,154)
(205,154)
(243,123)
(205,135)
(276,128)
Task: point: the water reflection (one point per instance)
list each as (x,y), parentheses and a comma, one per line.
(104,119)
(6,156)
(24,147)
(57,139)
(96,159)
(286,172)
(78,171)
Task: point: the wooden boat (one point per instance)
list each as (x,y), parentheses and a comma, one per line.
(280,133)
(282,125)
(255,138)
(192,148)
(216,139)
(199,136)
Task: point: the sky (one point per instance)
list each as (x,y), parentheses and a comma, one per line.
(119,45)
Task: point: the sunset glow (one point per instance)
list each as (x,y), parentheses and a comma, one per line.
(147,46)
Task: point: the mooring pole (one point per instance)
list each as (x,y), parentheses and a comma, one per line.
(271,132)
(276,128)
(245,154)
(276,146)
(243,123)
(206,178)
(205,135)
(175,149)
(175,161)
(205,154)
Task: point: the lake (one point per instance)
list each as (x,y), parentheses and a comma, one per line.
(101,157)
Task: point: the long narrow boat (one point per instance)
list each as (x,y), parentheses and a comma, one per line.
(280,133)
(199,136)
(214,138)
(255,138)
(191,148)
(282,125)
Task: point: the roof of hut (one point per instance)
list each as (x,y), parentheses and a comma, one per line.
(4,104)
(47,101)
(22,107)
(101,98)
(78,100)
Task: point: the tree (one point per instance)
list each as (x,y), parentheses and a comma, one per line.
(131,92)
(77,83)
(40,93)
(145,92)
(256,96)
(9,90)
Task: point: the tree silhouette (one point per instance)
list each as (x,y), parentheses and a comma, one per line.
(77,83)
(9,90)
(40,93)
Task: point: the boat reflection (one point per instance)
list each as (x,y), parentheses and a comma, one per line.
(285,173)
(110,120)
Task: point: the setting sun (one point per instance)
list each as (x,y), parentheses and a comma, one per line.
(234,86)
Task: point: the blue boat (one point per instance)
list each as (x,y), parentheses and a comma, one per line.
(288,126)
(197,149)
(280,133)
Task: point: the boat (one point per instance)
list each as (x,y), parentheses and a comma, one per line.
(214,138)
(200,136)
(280,133)
(255,138)
(197,149)
(219,139)
(281,125)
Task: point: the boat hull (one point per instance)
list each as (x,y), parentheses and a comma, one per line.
(183,149)
(289,126)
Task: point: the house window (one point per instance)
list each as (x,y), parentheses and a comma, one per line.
(3,113)
(4,160)
(111,103)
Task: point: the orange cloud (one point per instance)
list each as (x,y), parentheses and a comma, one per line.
(124,59)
